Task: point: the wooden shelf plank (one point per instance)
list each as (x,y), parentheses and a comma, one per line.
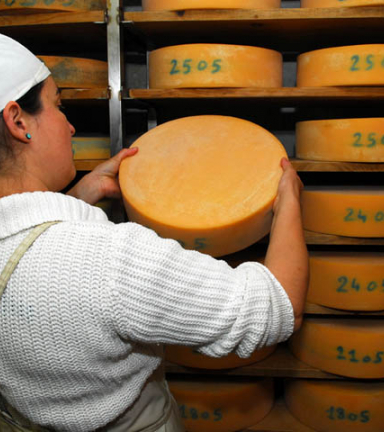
(84,94)
(281,363)
(87,165)
(326,166)
(33,19)
(314,238)
(306,28)
(314,309)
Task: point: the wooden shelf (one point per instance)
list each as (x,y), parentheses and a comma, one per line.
(313,309)
(286,29)
(314,238)
(325,166)
(281,363)
(85,94)
(87,165)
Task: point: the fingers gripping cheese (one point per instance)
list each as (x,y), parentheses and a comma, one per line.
(207,181)
(214,65)
(339,3)
(188,357)
(347,347)
(337,406)
(347,280)
(71,72)
(157,5)
(356,65)
(350,140)
(222,405)
(345,211)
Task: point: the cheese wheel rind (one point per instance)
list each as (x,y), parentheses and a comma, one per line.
(186,356)
(158,5)
(344,211)
(206,181)
(355,65)
(72,72)
(342,140)
(339,3)
(214,65)
(336,406)
(351,281)
(222,405)
(346,347)
(91,148)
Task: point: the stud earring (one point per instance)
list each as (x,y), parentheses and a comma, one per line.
(28,136)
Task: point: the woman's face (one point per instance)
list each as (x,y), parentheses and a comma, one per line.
(52,135)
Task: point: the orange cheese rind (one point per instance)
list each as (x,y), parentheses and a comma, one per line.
(355,65)
(351,281)
(347,347)
(341,140)
(186,356)
(207,181)
(159,5)
(336,406)
(349,211)
(214,65)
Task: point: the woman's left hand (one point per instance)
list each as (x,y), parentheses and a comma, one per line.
(103,181)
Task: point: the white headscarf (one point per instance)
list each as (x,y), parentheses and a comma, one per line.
(20,70)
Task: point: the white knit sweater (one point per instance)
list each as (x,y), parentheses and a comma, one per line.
(83,313)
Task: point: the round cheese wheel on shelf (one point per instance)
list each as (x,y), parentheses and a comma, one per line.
(337,406)
(339,3)
(351,281)
(188,357)
(222,405)
(214,65)
(355,65)
(347,347)
(349,140)
(158,5)
(72,72)
(21,6)
(207,181)
(91,148)
(345,211)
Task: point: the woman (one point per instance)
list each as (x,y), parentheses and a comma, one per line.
(87,304)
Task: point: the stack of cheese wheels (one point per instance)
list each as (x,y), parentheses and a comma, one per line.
(91,148)
(189,357)
(347,347)
(52,5)
(157,5)
(214,65)
(339,3)
(222,405)
(72,72)
(351,281)
(207,181)
(337,406)
(349,140)
(345,211)
(356,65)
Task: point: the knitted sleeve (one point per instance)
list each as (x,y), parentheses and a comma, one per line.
(162,293)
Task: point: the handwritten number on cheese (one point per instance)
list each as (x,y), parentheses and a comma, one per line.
(188,66)
(345,285)
(358,215)
(194,414)
(339,413)
(353,357)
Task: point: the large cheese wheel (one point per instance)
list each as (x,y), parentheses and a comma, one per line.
(337,406)
(345,211)
(71,72)
(222,405)
(207,181)
(347,280)
(188,357)
(347,347)
(214,65)
(157,5)
(91,148)
(351,140)
(339,3)
(51,5)
(356,65)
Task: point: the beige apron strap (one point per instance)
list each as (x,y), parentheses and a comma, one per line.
(8,419)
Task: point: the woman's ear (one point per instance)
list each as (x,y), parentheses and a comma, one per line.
(16,122)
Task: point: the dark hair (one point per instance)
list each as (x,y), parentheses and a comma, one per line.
(30,103)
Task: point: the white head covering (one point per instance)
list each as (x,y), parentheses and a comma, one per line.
(20,70)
